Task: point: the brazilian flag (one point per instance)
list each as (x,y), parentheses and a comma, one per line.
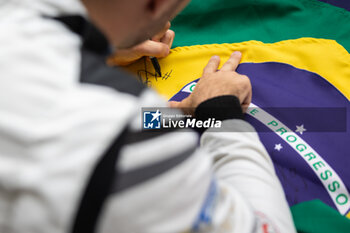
(296,54)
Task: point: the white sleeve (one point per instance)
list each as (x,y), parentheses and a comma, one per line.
(162,183)
(227,185)
(250,196)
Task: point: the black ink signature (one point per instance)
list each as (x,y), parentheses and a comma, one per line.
(144,75)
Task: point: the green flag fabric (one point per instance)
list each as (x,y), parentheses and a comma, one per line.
(316,217)
(268,21)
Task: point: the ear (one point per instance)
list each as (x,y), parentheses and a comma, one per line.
(157,8)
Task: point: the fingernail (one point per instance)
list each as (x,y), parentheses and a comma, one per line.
(215,57)
(238,53)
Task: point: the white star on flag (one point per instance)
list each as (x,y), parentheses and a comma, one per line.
(156,115)
(300,129)
(278,147)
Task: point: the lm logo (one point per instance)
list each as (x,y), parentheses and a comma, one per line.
(151,120)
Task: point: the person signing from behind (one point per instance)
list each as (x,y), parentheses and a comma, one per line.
(73,156)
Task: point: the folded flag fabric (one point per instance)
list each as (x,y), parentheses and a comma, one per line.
(296,54)
(268,21)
